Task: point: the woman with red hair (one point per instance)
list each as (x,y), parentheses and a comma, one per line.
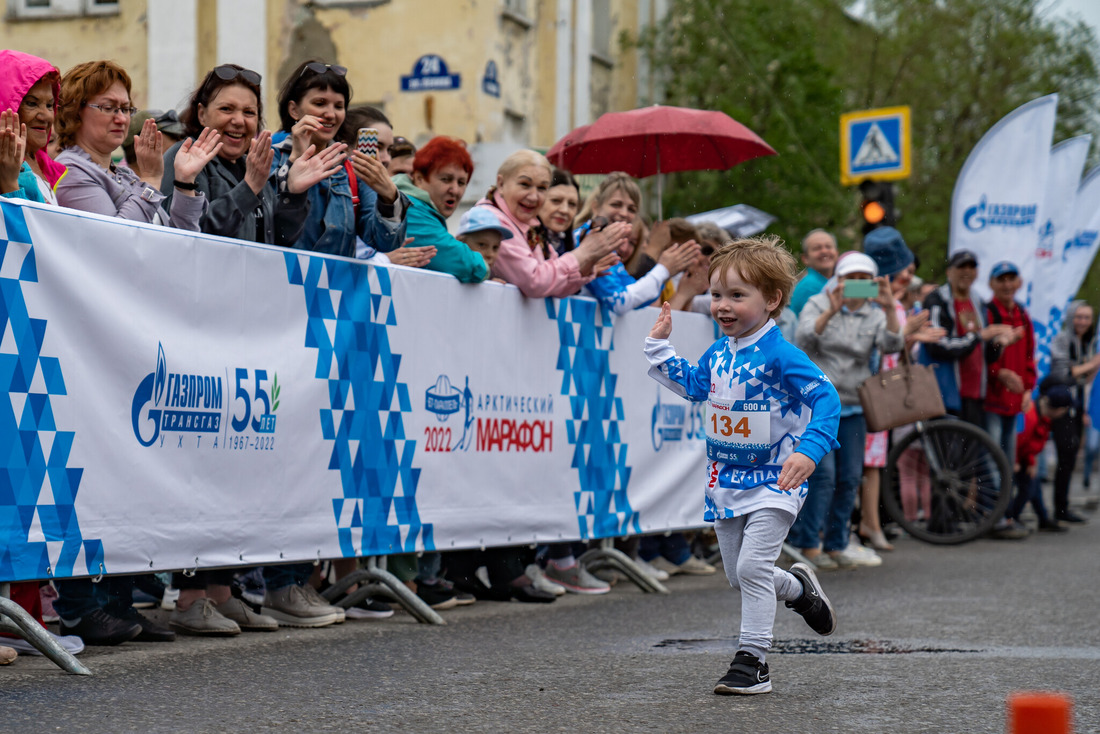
(441,171)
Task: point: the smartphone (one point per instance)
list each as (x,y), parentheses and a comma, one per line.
(366,141)
(860,289)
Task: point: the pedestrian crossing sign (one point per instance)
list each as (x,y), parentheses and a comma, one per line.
(874,144)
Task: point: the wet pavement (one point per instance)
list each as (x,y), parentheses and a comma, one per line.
(932,641)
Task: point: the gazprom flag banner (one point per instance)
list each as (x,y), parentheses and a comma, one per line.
(995,206)
(178,401)
(1046,286)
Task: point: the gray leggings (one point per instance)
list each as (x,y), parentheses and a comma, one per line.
(750,547)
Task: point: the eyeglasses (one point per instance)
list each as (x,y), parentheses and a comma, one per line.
(111,110)
(318,68)
(228,73)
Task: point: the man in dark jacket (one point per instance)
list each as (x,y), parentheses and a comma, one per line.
(960,364)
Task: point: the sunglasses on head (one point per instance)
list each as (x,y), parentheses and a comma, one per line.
(227,73)
(318,68)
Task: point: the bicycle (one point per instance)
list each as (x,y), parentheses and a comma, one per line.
(946,481)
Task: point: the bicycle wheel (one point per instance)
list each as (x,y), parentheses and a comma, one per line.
(947,482)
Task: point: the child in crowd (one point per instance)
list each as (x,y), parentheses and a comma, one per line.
(771,417)
(482,232)
(1054,402)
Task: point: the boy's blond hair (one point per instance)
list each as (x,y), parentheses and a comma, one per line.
(763,262)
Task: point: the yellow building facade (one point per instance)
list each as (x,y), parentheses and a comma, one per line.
(499,74)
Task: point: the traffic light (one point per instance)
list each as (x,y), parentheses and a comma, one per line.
(877,205)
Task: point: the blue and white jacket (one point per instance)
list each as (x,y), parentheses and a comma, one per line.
(618,290)
(753,375)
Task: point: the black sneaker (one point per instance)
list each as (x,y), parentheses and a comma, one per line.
(746,676)
(465,598)
(370,608)
(813,605)
(150,630)
(100,628)
(1071,517)
(436,596)
(1052,526)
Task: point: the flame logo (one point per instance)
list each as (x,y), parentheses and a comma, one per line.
(161,375)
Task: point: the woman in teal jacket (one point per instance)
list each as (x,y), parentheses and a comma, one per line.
(441,171)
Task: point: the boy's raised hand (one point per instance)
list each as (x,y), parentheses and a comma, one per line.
(663,328)
(796,470)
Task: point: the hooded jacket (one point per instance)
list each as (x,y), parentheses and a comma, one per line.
(538,272)
(428,228)
(1067,350)
(18,73)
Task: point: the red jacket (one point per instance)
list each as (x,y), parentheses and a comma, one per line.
(1030,441)
(1018,357)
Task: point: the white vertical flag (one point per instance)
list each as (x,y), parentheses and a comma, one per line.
(995,207)
(1047,285)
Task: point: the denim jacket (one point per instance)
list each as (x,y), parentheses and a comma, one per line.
(331,225)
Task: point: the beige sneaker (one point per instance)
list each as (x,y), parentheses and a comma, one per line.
(291,606)
(320,601)
(202,619)
(7,655)
(238,611)
(696,567)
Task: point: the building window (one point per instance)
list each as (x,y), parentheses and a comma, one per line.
(33,9)
(517,12)
(601,30)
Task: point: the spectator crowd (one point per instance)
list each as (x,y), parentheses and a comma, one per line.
(214,168)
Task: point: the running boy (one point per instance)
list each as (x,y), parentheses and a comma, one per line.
(771,416)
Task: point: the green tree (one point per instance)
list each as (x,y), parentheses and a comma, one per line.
(789,68)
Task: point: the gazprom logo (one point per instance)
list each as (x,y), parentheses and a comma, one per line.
(175,402)
(1083,241)
(667,422)
(984,214)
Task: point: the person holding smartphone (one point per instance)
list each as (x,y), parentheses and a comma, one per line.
(839,329)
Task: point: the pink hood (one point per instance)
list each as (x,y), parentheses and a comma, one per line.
(18,73)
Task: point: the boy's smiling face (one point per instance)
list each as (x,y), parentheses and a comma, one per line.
(487,242)
(740,308)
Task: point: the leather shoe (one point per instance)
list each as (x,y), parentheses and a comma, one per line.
(532,595)
(1071,517)
(1052,526)
(150,630)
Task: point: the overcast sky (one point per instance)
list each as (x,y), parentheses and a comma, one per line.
(1087,10)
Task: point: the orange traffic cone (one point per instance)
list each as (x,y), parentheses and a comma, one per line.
(1039,713)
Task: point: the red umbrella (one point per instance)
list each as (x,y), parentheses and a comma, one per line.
(658,139)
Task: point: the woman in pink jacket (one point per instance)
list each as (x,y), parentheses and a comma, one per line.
(527,259)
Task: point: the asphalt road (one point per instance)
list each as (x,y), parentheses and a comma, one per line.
(932,641)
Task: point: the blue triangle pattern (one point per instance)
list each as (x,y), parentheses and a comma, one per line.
(24,465)
(380,472)
(587,381)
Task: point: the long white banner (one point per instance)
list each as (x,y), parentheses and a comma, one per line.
(181,401)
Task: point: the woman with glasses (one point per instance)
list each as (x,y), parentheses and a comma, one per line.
(246,200)
(360,199)
(92,121)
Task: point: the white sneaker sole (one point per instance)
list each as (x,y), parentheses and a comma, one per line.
(723,690)
(289,620)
